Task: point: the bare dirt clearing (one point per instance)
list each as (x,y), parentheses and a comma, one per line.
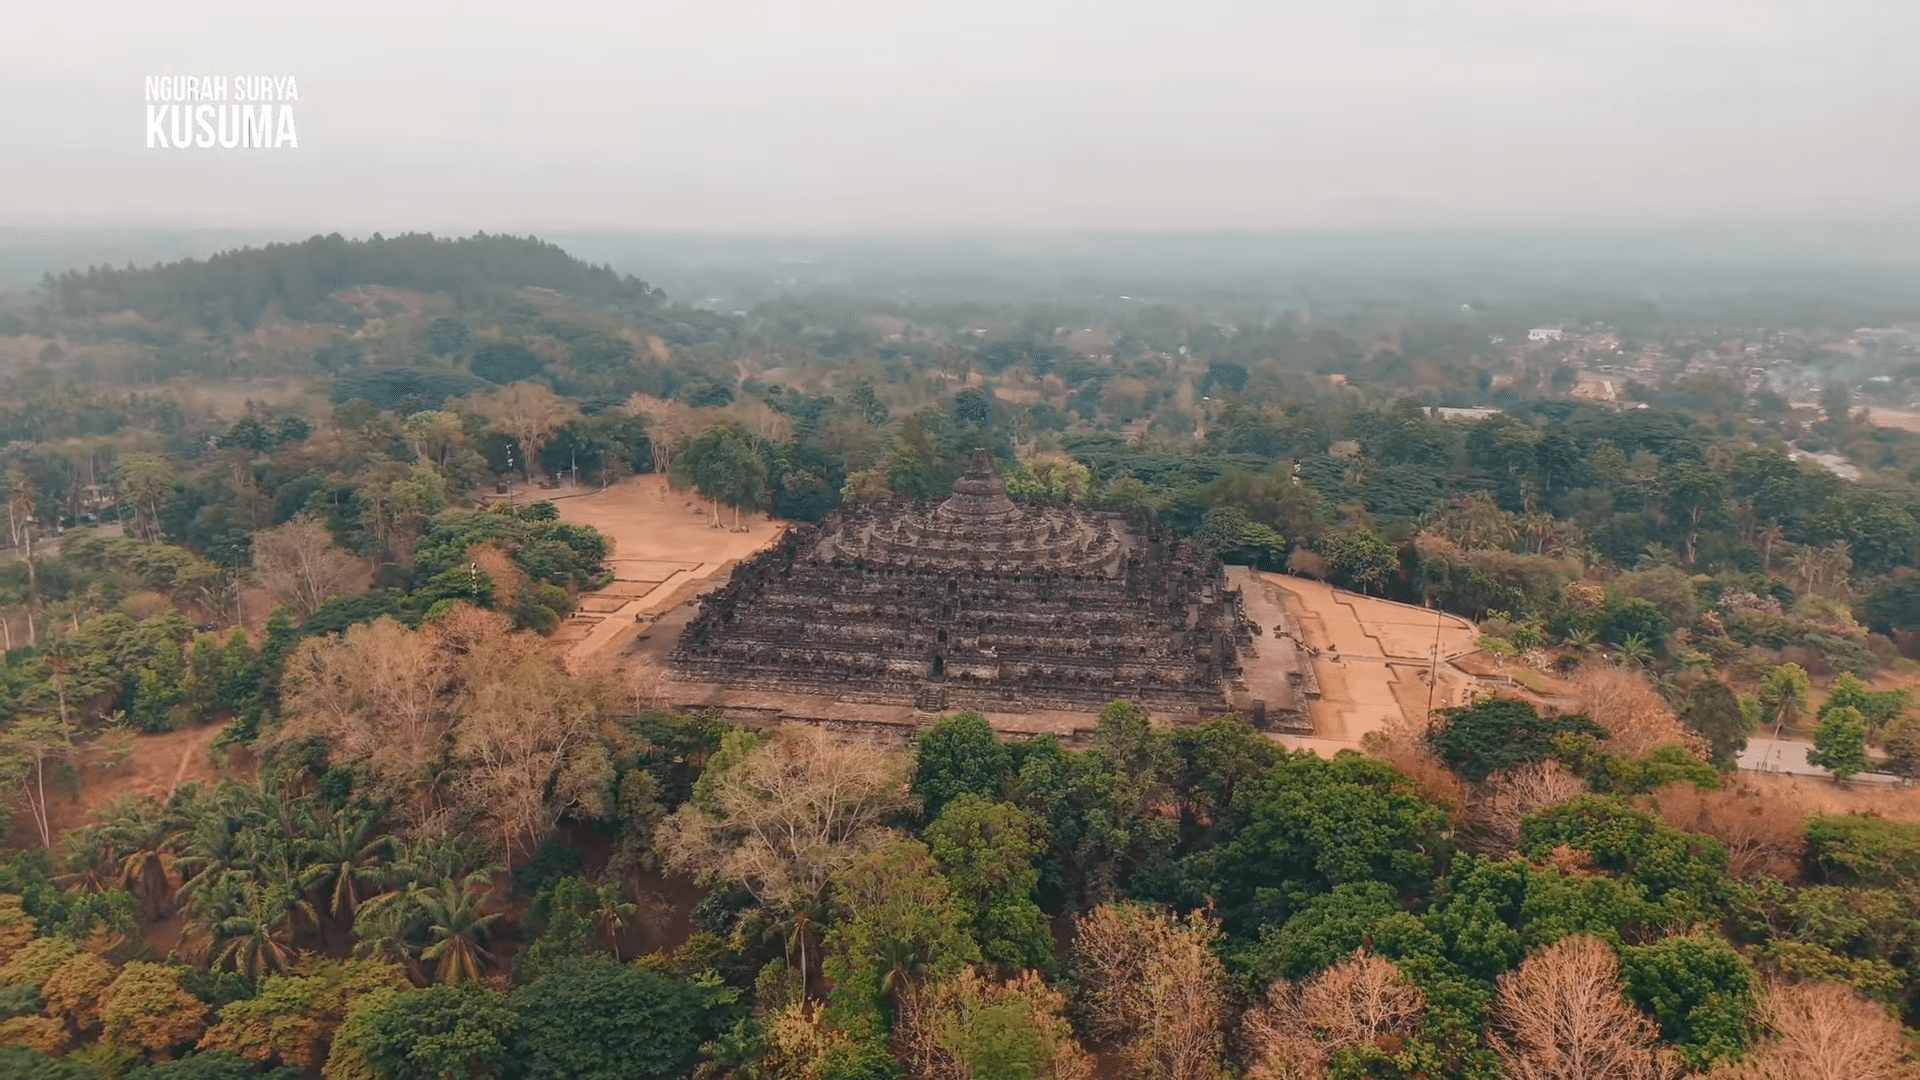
(156,766)
(1374,656)
(665,551)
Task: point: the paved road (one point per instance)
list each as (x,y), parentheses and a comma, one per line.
(1790,756)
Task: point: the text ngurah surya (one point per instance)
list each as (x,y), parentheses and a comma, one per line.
(252,112)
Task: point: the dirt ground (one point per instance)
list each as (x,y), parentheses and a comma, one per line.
(665,552)
(1374,658)
(158,764)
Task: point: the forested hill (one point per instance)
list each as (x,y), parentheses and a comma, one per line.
(239,287)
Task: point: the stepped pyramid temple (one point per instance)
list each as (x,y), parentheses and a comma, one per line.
(982,603)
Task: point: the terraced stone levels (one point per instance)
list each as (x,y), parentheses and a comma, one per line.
(976,602)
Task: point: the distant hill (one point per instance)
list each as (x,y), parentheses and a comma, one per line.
(241,286)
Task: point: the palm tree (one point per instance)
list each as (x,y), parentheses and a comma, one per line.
(613,912)
(1635,651)
(389,927)
(347,866)
(90,864)
(257,939)
(458,927)
(141,837)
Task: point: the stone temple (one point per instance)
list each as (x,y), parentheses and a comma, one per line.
(978,602)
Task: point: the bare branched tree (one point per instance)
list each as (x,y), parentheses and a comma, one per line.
(300,566)
(1636,718)
(527,413)
(463,721)
(669,425)
(1507,795)
(1765,836)
(1361,1001)
(779,815)
(1561,1016)
(1826,1031)
(1152,985)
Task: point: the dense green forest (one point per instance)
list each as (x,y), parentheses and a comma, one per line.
(437,853)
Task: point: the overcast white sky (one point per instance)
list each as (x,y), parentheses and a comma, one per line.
(872,117)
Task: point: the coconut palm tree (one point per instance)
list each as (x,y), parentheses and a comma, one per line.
(141,837)
(458,928)
(258,937)
(612,912)
(347,861)
(1635,651)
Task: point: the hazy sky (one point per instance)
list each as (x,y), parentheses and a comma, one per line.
(833,115)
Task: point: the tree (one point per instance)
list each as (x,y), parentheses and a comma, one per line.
(1561,1016)
(458,928)
(1783,696)
(380,695)
(1360,558)
(291,1021)
(959,755)
(969,1027)
(1498,733)
(591,1018)
(897,921)
(1826,1031)
(669,424)
(779,815)
(1840,744)
(1699,990)
(529,414)
(1151,981)
(1355,1013)
(1713,712)
(1229,533)
(989,852)
(300,566)
(1765,837)
(1879,708)
(440,1033)
(723,468)
(1314,824)
(531,746)
(144,479)
(28,749)
(348,857)
(1637,719)
(147,1010)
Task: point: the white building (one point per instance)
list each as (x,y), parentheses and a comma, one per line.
(1546,333)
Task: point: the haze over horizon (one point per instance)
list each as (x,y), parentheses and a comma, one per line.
(841,117)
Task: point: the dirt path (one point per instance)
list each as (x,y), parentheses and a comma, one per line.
(665,551)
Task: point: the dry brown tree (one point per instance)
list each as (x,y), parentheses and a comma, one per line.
(529,750)
(943,1026)
(1561,1016)
(1152,986)
(527,413)
(1498,803)
(669,425)
(1361,1001)
(1636,718)
(1765,836)
(300,566)
(1825,1031)
(464,721)
(779,814)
